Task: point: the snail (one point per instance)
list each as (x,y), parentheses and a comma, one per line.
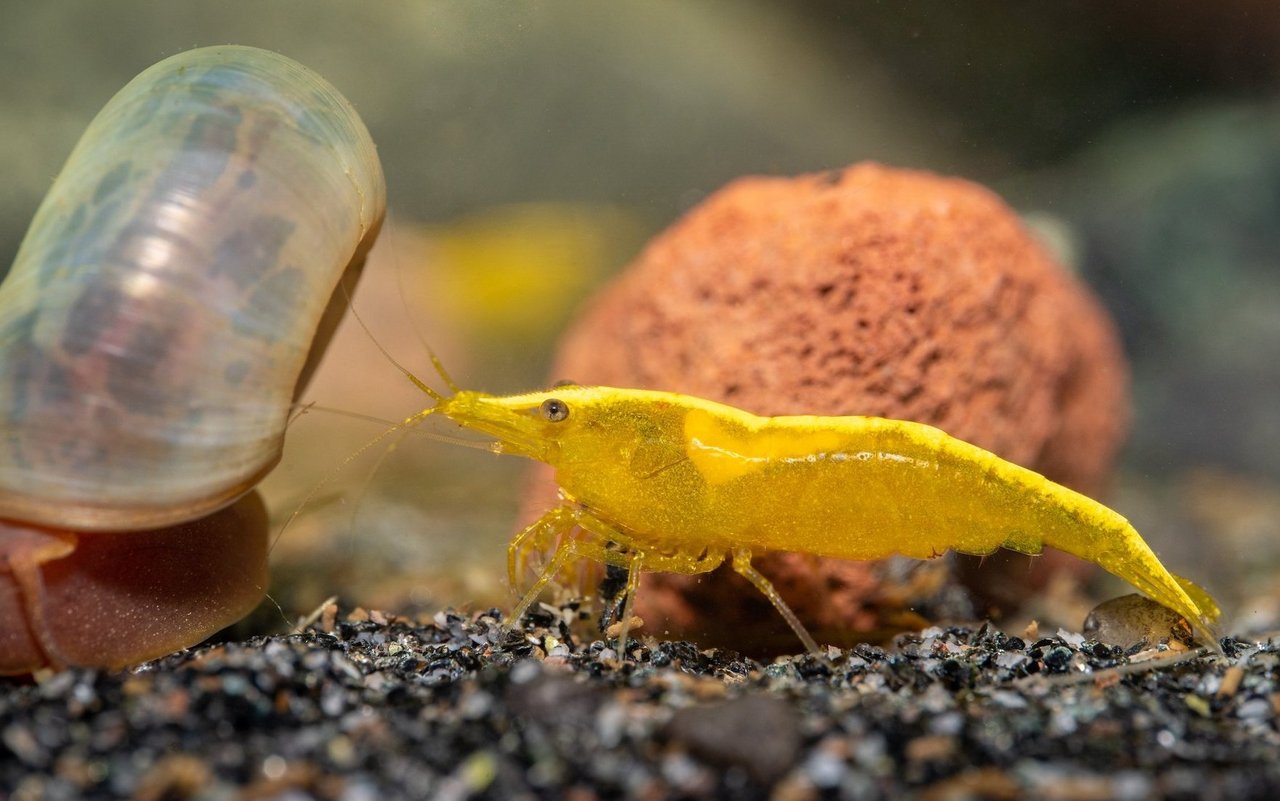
(169,301)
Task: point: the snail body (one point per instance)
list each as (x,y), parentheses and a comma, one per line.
(166,306)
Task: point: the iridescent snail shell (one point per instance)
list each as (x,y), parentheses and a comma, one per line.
(158,317)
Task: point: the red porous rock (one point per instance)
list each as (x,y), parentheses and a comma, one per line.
(864,291)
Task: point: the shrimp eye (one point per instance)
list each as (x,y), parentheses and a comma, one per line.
(554,410)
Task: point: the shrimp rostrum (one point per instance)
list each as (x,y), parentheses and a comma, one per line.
(665,482)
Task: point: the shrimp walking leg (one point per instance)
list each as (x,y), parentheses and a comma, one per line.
(566,550)
(552,524)
(742,566)
(633,582)
(612,545)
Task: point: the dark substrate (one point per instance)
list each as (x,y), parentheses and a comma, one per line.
(372,706)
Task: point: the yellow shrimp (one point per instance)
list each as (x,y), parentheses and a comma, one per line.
(660,481)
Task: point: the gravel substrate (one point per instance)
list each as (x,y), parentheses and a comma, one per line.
(371,706)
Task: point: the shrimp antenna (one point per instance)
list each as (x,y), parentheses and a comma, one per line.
(417,382)
(410,424)
(412,420)
(301,408)
(417,332)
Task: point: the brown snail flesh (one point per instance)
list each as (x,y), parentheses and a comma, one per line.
(162,313)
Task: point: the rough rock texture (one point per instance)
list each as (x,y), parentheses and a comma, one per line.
(869,291)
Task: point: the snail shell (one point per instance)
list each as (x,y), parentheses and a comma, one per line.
(160,311)
(164,309)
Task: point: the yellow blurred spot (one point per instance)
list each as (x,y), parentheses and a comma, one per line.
(478,771)
(517,272)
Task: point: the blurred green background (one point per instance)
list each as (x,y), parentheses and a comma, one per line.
(530,147)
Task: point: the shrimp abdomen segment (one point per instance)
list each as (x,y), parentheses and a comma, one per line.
(865,488)
(854,487)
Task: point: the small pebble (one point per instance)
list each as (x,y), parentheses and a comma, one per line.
(1131,619)
(756,733)
(1255,708)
